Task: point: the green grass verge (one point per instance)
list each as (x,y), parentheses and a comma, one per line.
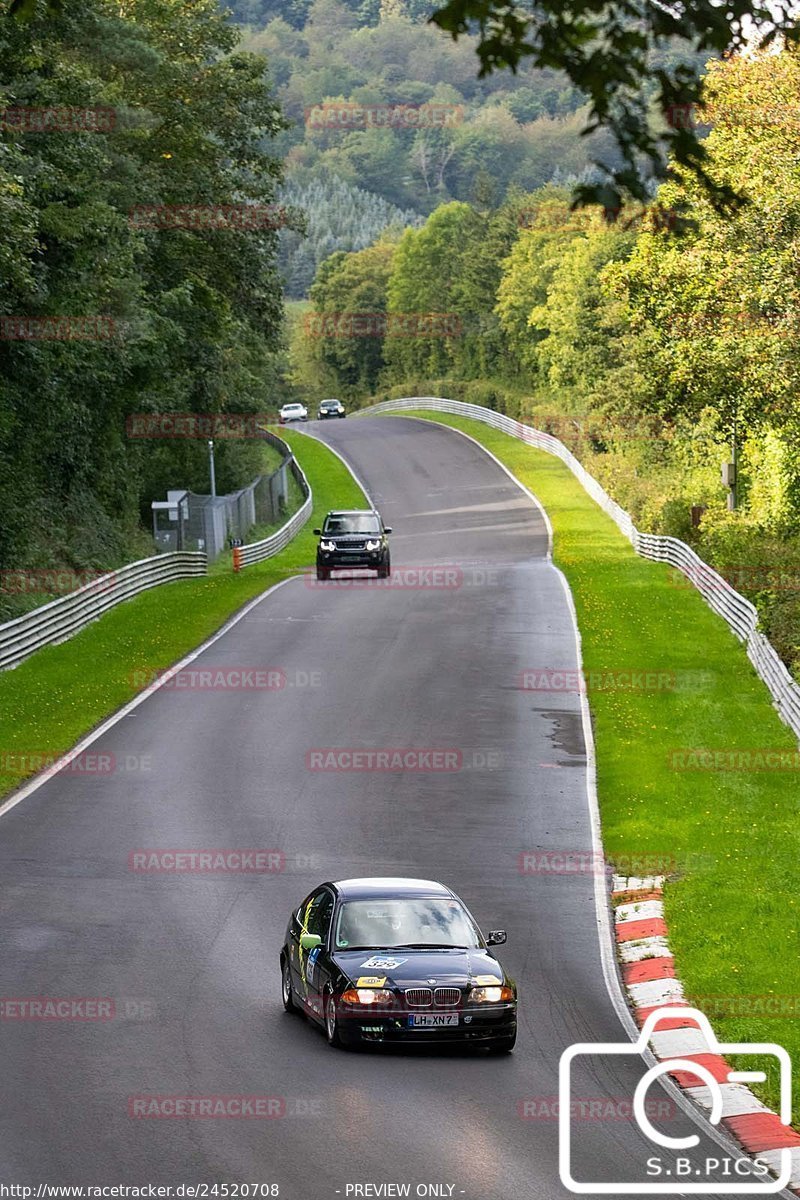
(733,912)
(55,697)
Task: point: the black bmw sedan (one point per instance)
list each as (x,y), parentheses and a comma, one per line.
(396,960)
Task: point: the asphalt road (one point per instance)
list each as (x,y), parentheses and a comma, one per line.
(191,961)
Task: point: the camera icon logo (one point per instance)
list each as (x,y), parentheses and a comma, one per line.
(685,1186)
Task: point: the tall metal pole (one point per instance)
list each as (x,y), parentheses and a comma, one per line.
(211,467)
(732,485)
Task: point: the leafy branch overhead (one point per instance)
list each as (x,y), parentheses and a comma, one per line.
(605,49)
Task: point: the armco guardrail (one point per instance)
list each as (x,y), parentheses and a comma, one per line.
(738,612)
(60,619)
(245,556)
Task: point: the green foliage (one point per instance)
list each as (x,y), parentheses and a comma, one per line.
(519,131)
(646,345)
(340,217)
(609,53)
(193,314)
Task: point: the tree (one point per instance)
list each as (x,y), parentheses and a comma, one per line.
(606,51)
(188,318)
(344,332)
(422,293)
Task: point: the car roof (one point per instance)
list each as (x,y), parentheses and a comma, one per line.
(351,512)
(352,889)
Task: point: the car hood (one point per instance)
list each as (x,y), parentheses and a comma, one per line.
(407,968)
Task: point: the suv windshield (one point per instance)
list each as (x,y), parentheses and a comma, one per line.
(412,923)
(352,523)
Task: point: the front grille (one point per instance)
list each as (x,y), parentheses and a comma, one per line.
(351,545)
(419,997)
(447,996)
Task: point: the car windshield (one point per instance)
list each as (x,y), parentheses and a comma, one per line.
(329,404)
(413,923)
(292,407)
(352,523)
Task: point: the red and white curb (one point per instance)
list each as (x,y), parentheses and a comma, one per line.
(648,973)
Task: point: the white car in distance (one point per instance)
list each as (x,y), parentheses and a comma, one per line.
(292,412)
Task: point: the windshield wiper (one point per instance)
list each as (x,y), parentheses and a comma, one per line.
(429,946)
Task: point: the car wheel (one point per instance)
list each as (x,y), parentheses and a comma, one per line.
(503,1045)
(286,988)
(342,416)
(331,1022)
(385,570)
(323,573)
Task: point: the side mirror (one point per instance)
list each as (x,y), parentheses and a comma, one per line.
(310,941)
(317,532)
(496,937)
(387,529)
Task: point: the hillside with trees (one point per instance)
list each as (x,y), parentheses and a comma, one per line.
(429,131)
(650,345)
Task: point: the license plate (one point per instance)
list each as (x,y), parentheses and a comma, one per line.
(433,1020)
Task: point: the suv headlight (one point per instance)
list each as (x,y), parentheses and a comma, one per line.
(490,995)
(327,546)
(374,545)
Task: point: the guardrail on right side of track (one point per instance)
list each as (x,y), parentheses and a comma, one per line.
(59,619)
(738,612)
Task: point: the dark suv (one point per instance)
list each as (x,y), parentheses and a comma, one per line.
(357,538)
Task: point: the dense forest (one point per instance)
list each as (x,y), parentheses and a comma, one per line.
(151,109)
(649,345)
(382,101)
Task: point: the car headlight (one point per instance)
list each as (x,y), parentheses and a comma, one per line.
(367,996)
(490,995)
(327,546)
(373,545)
